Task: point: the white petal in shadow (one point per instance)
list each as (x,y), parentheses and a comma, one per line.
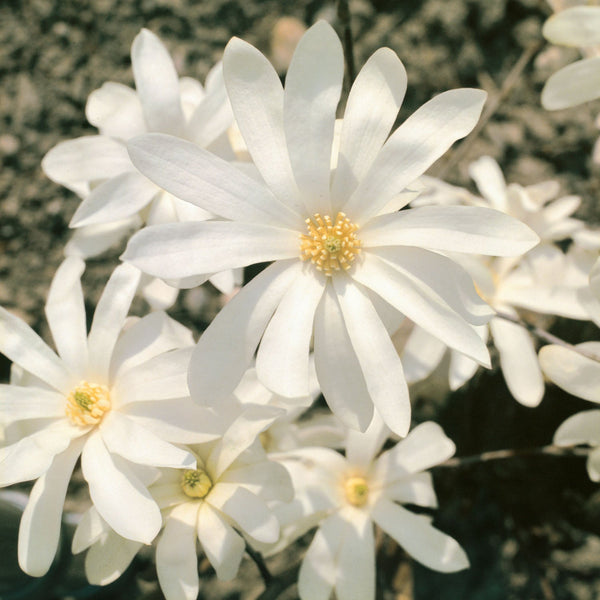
(574,84)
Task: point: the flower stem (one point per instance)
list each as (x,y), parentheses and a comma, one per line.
(343,13)
(260,563)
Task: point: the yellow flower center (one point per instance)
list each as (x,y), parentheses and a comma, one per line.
(357,490)
(330,246)
(87,403)
(195,483)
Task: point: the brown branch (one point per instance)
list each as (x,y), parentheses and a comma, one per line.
(343,13)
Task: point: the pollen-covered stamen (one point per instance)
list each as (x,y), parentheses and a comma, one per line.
(87,403)
(330,246)
(195,483)
(357,490)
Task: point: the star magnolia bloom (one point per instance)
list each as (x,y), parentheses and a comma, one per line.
(107,397)
(343,255)
(229,488)
(347,496)
(578,82)
(116,197)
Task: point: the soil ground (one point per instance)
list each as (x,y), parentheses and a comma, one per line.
(531,525)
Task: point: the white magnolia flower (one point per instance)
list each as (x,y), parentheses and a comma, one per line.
(107,397)
(347,496)
(116,197)
(578,26)
(343,254)
(220,502)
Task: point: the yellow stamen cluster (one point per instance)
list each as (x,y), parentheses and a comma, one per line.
(357,490)
(330,246)
(195,483)
(87,403)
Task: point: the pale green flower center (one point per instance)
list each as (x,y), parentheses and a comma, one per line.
(195,483)
(87,403)
(357,490)
(329,245)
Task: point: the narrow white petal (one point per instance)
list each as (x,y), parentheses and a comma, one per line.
(462,368)
(259,116)
(117,198)
(157,84)
(176,558)
(95,239)
(116,111)
(28,402)
(419,538)
(422,304)
(89,530)
(421,354)
(577,26)
(65,313)
(117,493)
(573,372)
(574,84)
(318,572)
(372,107)
(41,521)
(123,436)
(356,563)
(176,250)
(223,547)
(593,464)
(580,428)
(268,479)
(415,145)
(416,489)
(109,317)
(282,363)
(519,361)
(19,343)
(313,85)
(338,369)
(109,558)
(203,179)
(361,448)
(468,229)
(226,348)
(376,354)
(486,173)
(248,511)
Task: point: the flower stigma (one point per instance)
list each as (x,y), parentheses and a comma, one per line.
(87,403)
(357,490)
(330,246)
(195,483)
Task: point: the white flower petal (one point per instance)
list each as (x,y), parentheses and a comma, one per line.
(580,428)
(117,493)
(519,362)
(282,360)
(421,354)
(259,116)
(157,84)
(177,250)
(123,436)
(249,512)
(372,107)
(114,200)
(593,464)
(268,479)
(420,303)
(28,402)
(95,239)
(318,571)
(361,448)
(415,145)
(419,538)
(313,85)
(109,558)
(109,317)
(488,177)
(203,179)
(468,229)
(416,489)
(226,348)
(573,372)
(65,313)
(574,84)
(462,368)
(89,530)
(577,26)
(19,343)
(116,111)
(77,162)
(41,521)
(176,559)
(338,370)
(376,354)
(223,547)
(356,562)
